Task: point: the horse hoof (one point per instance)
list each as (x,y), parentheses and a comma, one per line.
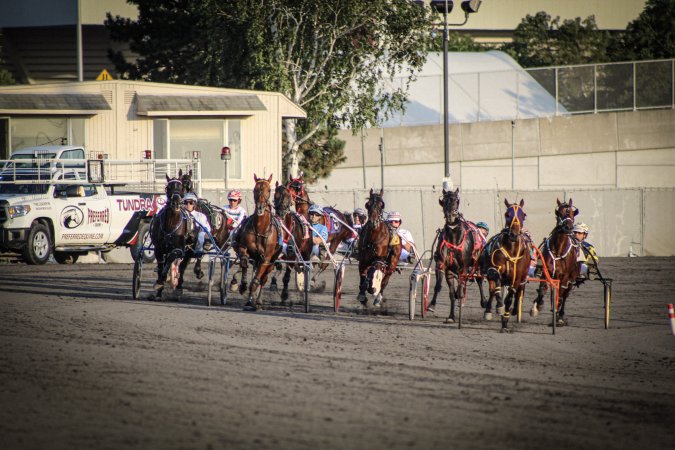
(500,310)
(242,288)
(234,287)
(151,297)
(449,320)
(562,322)
(249,306)
(199,275)
(505,330)
(487,316)
(284,297)
(534,312)
(319,287)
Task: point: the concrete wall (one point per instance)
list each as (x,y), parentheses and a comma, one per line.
(618,149)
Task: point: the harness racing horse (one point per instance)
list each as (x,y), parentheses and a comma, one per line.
(299,236)
(456,255)
(332,219)
(380,249)
(221,225)
(507,262)
(560,252)
(259,239)
(169,233)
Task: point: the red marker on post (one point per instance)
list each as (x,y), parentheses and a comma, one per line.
(671,316)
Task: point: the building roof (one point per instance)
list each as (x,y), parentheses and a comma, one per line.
(215,104)
(482,86)
(73,103)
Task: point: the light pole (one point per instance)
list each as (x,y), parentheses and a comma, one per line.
(445,7)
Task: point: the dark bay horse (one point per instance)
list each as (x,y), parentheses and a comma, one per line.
(169,231)
(296,234)
(332,219)
(380,249)
(259,238)
(456,254)
(506,264)
(221,225)
(560,252)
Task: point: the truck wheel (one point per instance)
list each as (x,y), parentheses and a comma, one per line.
(66,257)
(143,238)
(39,245)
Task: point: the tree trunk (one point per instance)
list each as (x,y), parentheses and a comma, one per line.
(292,148)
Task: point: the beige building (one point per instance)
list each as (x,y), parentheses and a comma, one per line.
(122,119)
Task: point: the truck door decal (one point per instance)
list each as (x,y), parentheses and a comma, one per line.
(72,217)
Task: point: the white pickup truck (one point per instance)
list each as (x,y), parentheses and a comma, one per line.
(67,208)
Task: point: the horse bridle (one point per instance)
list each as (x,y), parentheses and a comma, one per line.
(176,196)
(375,206)
(562,221)
(261,206)
(515,220)
(282,210)
(296,195)
(450,212)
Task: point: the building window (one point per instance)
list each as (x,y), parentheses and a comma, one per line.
(34,131)
(207,136)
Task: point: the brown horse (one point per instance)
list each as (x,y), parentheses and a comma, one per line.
(169,231)
(456,254)
(259,238)
(332,219)
(560,252)
(506,264)
(296,235)
(221,225)
(380,249)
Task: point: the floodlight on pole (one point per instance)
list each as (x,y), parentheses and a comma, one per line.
(445,7)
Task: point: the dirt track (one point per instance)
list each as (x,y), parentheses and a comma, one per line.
(84,366)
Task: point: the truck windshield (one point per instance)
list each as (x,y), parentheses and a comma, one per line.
(21,184)
(28,163)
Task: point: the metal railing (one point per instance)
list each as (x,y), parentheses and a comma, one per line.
(624,86)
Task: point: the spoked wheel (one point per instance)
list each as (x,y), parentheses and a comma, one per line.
(307,272)
(337,290)
(136,280)
(211,271)
(412,297)
(554,308)
(520,307)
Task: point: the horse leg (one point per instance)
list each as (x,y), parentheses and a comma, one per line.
(450,280)
(494,283)
(244,272)
(379,299)
(437,288)
(363,285)
(286,279)
(562,320)
(181,272)
(539,301)
(479,282)
(507,310)
(198,269)
(159,284)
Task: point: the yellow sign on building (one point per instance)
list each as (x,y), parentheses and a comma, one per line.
(104,76)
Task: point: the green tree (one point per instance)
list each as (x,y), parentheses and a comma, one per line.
(541,41)
(6,77)
(328,57)
(650,36)
(456,43)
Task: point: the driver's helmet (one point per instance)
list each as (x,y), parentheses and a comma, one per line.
(360,212)
(190,196)
(484,226)
(581,228)
(394,216)
(315,209)
(234,195)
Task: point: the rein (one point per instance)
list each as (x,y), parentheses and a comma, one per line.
(549,250)
(509,258)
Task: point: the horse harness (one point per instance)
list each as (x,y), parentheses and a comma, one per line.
(510,259)
(549,251)
(467,227)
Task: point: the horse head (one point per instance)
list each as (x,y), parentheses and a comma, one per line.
(515,218)
(282,199)
(565,213)
(261,194)
(175,190)
(450,204)
(375,207)
(186,179)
